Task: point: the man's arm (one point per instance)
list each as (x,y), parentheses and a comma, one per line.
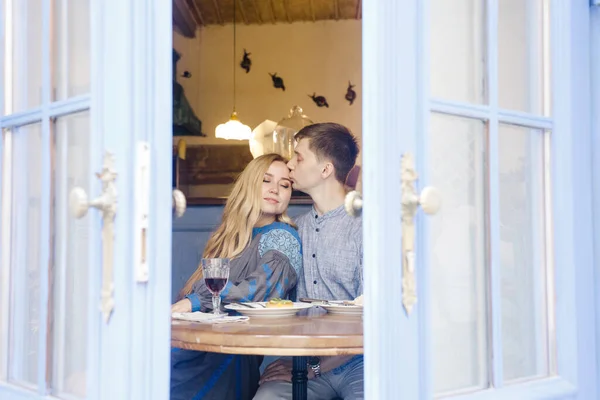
(281,370)
(329,363)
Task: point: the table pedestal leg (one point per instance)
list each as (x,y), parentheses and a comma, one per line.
(299,378)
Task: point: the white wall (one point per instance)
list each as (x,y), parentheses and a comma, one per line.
(316,57)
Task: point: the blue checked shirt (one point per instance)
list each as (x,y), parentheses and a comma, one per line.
(332,255)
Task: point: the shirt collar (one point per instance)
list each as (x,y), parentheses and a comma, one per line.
(330,214)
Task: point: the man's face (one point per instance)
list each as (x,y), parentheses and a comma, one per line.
(306,169)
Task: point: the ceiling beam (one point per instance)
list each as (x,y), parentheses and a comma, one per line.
(218,12)
(183,18)
(196,12)
(241,8)
(257,12)
(285,9)
(358,9)
(274,17)
(312,11)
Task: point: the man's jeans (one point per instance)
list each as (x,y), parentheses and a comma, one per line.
(345,382)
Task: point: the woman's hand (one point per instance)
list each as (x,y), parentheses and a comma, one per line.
(184,305)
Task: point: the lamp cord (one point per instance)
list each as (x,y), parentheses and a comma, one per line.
(234,53)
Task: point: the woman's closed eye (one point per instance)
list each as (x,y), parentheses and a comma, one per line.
(285,184)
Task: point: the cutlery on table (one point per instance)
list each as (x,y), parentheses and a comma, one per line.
(249,305)
(242,305)
(329,302)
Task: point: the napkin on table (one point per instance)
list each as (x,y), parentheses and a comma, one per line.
(208,318)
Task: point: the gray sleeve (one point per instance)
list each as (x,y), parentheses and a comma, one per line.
(273,277)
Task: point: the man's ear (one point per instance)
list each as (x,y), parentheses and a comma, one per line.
(327,170)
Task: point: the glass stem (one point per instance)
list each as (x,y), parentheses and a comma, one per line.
(216,300)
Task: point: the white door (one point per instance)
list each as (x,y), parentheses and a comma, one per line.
(489,98)
(84,302)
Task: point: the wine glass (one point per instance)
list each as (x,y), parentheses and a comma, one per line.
(216,274)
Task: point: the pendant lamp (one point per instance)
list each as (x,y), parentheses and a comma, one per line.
(233,129)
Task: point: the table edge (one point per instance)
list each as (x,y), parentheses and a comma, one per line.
(267,351)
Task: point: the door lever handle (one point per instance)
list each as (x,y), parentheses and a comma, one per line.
(430,201)
(353,203)
(107,204)
(179,203)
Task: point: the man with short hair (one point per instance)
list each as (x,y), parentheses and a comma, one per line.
(332,254)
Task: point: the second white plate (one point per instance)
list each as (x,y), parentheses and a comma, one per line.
(258,311)
(342,309)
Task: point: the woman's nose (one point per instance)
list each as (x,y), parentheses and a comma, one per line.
(274,189)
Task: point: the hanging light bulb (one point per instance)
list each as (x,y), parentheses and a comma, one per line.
(233,129)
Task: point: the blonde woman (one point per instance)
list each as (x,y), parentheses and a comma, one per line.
(266,257)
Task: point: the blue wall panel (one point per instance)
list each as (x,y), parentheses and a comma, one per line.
(190,234)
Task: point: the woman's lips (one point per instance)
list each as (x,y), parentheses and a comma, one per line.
(272,201)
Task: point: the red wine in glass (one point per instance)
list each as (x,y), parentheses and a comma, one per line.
(216,274)
(215,285)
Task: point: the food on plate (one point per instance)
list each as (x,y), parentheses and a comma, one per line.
(358,301)
(279,303)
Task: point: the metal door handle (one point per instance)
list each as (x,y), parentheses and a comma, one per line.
(107,204)
(430,201)
(179,203)
(353,203)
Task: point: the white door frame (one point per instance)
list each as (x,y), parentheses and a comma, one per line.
(137,46)
(595,158)
(130,101)
(396,108)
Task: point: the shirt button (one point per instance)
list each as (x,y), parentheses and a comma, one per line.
(315,282)
(314,255)
(316,216)
(317,229)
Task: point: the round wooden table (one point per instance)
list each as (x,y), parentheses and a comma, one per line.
(309,333)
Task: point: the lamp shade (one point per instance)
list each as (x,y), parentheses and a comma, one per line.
(233,130)
(259,133)
(272,137)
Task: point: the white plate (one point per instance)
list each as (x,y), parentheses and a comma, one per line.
(340,309)
(261,312)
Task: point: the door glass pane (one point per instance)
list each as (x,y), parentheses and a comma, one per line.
(457,150)
(457,55)
(71,48)
(23,45)
(523,51)
(71,257)
(26,181)
(523,252)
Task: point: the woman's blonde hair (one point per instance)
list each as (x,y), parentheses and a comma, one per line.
(242,211)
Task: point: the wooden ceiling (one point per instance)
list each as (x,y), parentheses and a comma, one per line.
(188,15)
